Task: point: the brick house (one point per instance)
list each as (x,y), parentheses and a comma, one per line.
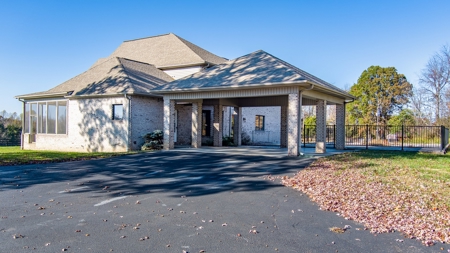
(166,82)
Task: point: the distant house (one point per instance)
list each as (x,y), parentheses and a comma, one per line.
(166,82)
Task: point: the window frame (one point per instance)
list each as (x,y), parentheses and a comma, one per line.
(260,126)
(206,123)
(114,112)
(40,120)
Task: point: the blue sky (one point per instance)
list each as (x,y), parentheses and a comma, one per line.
(44,43)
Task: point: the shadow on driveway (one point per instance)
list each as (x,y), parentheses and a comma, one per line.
(176,172)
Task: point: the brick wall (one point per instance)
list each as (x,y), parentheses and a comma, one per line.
(89,128)
(184,119)
(146,116)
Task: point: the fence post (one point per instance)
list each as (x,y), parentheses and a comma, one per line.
(443,141)
(304,135)
(403,134)
(367,136)
(334,136)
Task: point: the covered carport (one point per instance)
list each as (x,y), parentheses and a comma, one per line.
(256,79)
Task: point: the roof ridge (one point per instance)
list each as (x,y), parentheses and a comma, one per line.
(125,73)
(149,37)
(128,59)
(194,47)
(92,67)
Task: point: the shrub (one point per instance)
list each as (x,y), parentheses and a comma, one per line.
(153,140)
(227,141)
(245,139)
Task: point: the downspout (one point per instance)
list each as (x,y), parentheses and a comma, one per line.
(23,123)
(129,123)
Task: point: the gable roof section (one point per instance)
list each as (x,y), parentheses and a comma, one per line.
(256,69)
(165,51)
(114,76)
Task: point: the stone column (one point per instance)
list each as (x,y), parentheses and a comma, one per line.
(218,125)
(196,129)
(321,126)
(169,120)
(293,119)
(237,126)
(283,126)
(340,127)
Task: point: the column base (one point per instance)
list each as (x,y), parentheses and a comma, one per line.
(321,147)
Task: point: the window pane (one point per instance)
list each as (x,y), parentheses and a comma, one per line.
(26,118)
(51,117)
(42,118)
(33,124)
(117,112)
(33,118)
(61,117)
(33,110)
(259,122)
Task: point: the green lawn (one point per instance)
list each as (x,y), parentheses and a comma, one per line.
(15,156)
(403,170)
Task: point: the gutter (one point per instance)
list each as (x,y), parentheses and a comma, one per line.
(47,95)
(113,95)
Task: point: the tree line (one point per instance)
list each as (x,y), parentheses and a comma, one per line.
(10,125)
(386,97)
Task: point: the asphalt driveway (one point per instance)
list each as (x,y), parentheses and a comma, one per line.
(173,201)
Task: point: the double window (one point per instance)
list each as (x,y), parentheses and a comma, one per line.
(48,117)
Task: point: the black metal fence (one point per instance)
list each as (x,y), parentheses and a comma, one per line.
(378,135)
(10,142)
(394,136)
(309,135)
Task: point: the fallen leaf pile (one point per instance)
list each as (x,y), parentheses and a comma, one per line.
(382,203)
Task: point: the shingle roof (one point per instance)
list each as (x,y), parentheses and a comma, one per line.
(114,76)
(165,51)
(257,68)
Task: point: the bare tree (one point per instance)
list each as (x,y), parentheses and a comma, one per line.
(420,107)
(435,77)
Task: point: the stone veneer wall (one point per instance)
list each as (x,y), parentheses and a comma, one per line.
(89,128)
(147,115)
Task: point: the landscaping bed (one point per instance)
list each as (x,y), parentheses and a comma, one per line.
(16,156)
(386,191)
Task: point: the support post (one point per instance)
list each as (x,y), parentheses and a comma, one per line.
(237,126)
(196,129)
(321,126)
(340,127)
(218,125)
(293,122)
(169,114)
